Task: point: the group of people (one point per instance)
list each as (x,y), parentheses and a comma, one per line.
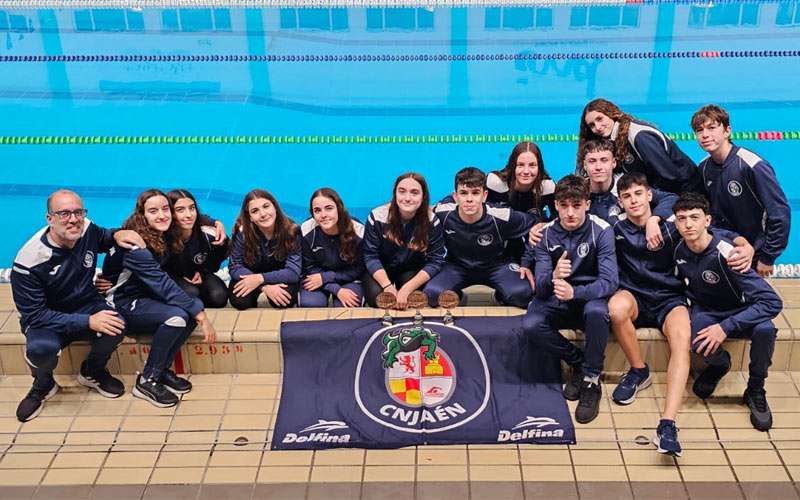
(638,236)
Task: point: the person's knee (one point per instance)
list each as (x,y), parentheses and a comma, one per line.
(765,332)
(42,350)
(515,294)
(217,298)
(532,323)
(619,309)
(177,318)
(312,300)
(432,290)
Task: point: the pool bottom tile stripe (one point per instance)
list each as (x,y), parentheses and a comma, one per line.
(301,58)
(66,140)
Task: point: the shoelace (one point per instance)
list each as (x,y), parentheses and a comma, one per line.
(670,432)
(588,398)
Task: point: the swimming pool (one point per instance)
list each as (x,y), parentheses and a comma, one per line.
(221,100)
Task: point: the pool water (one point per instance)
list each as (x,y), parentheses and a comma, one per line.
(221,101)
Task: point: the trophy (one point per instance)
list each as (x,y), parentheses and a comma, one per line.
(448,300)
(417,300)
(386,301)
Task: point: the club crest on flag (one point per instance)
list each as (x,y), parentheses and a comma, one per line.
(420,377)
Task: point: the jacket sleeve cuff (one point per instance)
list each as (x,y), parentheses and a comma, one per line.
(328,276)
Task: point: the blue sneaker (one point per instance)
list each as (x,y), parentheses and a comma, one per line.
(635,380)
(666,439)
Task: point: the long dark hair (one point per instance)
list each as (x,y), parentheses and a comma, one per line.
(508,174)
(347,234)
(612,111)
(157,242)
(175,196)
(284,235)
(422,219)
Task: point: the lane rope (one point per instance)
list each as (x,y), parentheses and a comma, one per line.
(69,140)
(300,58)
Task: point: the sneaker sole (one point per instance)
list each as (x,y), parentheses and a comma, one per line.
(47,396)
(141,395)
(661,450)
(94,385)
(176,391)
(644,385)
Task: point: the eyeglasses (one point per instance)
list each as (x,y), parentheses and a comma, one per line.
(64,215)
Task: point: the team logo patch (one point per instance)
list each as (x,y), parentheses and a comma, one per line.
(422,394)
(88,259)
(485,240)
(734,188)
(513,266)
(710,277)
(199,258)
(613,211)
(628,158)
(583,250)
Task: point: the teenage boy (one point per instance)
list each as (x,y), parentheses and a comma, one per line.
(725,303)
(475,237)
(576,273)
(651,296)
(742,189)
(51,283)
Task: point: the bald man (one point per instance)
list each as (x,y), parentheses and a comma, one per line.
(52,285)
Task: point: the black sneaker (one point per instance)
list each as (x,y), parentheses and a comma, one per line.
(154,392)
(174,383)
(706,383)
(760,414)
(588,402)
(572,388)
(33,403)
(666,439)
(102,381)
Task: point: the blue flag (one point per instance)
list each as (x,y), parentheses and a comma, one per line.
(357,383)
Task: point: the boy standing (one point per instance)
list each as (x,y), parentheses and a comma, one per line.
(742,188)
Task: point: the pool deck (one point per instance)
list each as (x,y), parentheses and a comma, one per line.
(85,446)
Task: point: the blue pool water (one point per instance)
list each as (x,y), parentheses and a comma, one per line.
(351,97)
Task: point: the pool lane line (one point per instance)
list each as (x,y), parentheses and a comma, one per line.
(428,4)
(69,140)
(300,58)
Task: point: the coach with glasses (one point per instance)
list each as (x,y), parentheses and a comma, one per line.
(51,282)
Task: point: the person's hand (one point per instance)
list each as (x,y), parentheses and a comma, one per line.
(741,258)
(563,267)
(221,235)
(247,284)
(196,279)
(278,294)
(535,234)
(525,273)
(652,233)
(209,334)
(402,298)
(128,239)
(563,290)
(312,282)
(710,338)
(107,322)
(764,270)
(348,297)
(102,285)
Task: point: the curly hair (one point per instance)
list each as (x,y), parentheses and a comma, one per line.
(284,235)
(156,241)
(347,234)
(422,219)
(611,110)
